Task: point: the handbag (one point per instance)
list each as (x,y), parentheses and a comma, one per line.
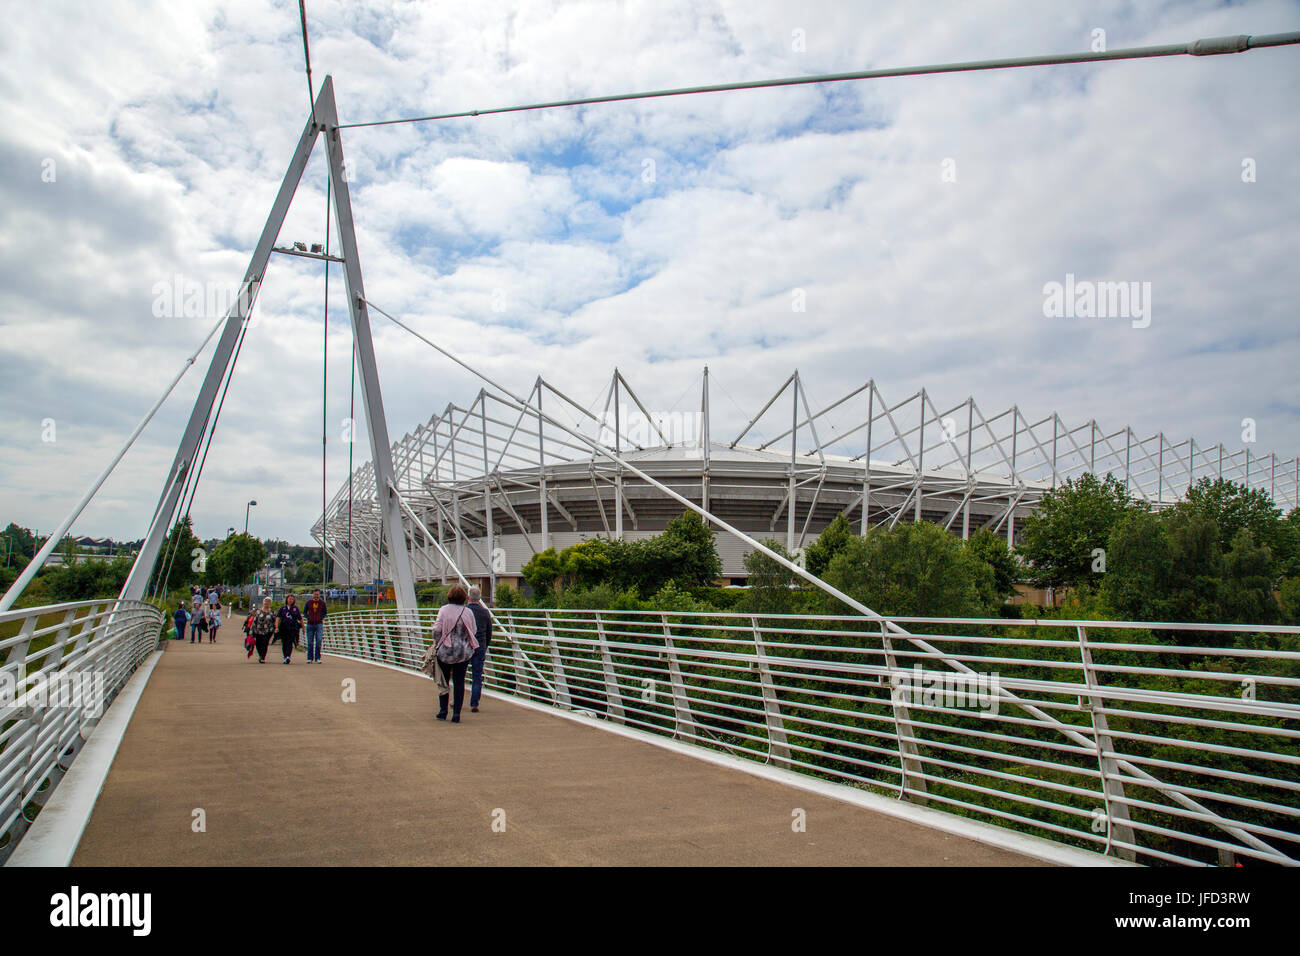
(457,648)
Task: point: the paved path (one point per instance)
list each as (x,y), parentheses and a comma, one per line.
(286,772)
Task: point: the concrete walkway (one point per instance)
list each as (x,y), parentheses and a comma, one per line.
(286,772)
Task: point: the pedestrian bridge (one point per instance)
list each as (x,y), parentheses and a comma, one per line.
(634,738)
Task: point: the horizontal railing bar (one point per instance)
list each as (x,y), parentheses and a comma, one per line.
(716,680)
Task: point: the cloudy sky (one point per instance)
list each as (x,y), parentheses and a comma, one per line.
(142,144)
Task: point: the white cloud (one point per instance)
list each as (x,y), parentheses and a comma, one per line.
(172,125)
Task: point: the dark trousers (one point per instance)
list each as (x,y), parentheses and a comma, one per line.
(287,640)
(478,662)
(263,641)
(454,674)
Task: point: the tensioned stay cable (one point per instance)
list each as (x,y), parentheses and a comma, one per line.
(1207,47)
(210,432)
(173,539)
(306,56)
(324,392)
(352,421)
(38,561)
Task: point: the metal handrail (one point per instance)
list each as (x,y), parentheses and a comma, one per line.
(1187,758)
(62,667)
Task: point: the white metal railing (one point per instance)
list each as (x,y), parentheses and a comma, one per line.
(1157,742)
(62,666)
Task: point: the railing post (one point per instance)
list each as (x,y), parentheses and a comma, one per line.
(521,666)
(912,786)
(61,638)
(16,660)
(683,719)
(778,748)
(561,695)
(1117,818)
(613,698)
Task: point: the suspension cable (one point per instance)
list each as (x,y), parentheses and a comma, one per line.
(210,431)
(56,536)
(1207,47)
(324,396)
(306,56)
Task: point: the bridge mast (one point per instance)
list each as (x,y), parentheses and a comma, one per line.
(324,119)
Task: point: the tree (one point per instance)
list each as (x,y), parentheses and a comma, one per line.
(912,570)
(1061,538)
(237,558)
(1139,557)
(542,571)
(308,573)
(1289,599)
(587,564)
(1246,595)
(1288,551)
(1234,507)
(1195,567)
(87,580)
(770,582)
(817,556)
(992,549)
(690,546)
(19,541)
(176,558)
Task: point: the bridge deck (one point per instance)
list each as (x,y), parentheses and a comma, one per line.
(287,773)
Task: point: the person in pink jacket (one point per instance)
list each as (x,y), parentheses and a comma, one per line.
(454,643)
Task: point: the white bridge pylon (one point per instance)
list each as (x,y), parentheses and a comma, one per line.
(323,120)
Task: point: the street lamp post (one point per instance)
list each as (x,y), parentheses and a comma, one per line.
(246,507)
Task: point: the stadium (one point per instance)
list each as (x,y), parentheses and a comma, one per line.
(490,483)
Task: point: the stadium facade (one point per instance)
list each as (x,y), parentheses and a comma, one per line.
(493,485)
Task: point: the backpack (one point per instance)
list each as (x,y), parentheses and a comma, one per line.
(457,647)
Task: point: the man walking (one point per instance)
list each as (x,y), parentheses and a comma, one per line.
(483,634)
(315,612)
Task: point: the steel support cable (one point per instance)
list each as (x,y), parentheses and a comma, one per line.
(38,560)
(165,559)
(1206,47)
(324,377)
(210,431)
(168,556)
(1065,729)
(306,56)
(352,418)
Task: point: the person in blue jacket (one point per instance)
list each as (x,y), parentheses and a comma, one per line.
(181,618)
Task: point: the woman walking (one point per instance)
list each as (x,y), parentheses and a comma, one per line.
(264,623)
(288,622)
(214,622)
(453,646)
